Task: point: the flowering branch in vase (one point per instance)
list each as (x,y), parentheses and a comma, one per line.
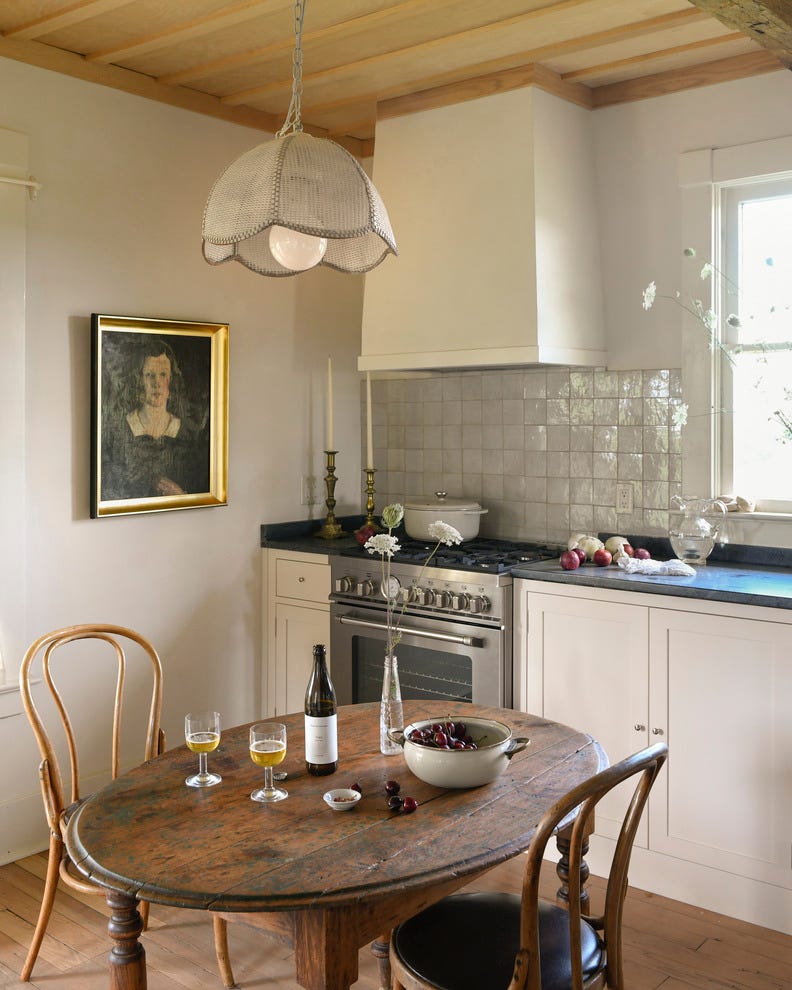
(386,545)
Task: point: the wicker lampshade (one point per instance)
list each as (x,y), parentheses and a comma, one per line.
(307,184)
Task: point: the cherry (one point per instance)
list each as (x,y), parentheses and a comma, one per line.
(410,804)
(392,787)
(356,787)
(395,802)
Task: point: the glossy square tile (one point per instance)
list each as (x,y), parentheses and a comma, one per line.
(580,491)
(557,384)
(513,437)
(557,490)
(512,411)
(535,385)
(536,411)
(492,437)
(535,463)
(557,412)
(452,387)
(606,384)
(471,462)
(605,465)
(581,438)
(581,464)
(581,518)
(603,491)
(535,437)
(471,411)
(491,411)
(581,411)
(581,384)
(605,438)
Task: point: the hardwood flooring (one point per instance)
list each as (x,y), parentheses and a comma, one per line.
(668,945)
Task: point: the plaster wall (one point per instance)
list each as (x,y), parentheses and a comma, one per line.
(117,229)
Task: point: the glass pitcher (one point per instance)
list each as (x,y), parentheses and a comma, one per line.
(694,536)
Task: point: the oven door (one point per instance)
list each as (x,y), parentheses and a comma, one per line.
(446,659)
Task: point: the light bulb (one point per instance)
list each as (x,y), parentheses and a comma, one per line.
(294,250)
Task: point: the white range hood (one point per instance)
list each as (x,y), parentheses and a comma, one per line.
(493,203)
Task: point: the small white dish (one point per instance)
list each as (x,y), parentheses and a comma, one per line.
(342,798)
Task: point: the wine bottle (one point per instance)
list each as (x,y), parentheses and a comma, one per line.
(321,731)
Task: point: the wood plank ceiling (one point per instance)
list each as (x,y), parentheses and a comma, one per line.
(368,57)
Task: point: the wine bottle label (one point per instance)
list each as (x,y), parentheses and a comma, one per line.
(321,739)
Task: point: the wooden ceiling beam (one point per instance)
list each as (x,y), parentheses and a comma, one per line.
(73,14)
(568,46)
(692,77)
(768,22)
(69,64)
(592,71)
(197,27)
(474,89)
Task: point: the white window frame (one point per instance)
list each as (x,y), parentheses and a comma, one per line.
(730,196)
(703,174)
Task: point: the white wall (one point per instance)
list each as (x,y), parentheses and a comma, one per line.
(117,229)
(637,150)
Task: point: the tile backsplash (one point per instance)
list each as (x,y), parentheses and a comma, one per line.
(542,449)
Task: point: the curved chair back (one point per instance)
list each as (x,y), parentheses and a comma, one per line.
(118,638)
(646,765)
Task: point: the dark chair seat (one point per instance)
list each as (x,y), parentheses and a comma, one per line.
(469,941)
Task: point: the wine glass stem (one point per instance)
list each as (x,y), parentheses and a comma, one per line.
(203,764)
(268,783)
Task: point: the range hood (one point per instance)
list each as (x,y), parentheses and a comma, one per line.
(493,202)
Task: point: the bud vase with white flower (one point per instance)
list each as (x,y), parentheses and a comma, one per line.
(386,545)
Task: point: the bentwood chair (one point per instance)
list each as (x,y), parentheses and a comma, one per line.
(507,942)
(56,808)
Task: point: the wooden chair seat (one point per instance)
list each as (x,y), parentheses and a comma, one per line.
(499,941)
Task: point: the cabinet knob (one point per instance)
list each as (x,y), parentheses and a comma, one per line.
(639,728)
(657,732)
(301,580)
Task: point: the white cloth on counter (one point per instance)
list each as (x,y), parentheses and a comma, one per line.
(673,568)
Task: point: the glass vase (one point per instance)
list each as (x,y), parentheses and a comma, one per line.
(391,710)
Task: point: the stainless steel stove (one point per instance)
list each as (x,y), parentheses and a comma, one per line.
(454,616)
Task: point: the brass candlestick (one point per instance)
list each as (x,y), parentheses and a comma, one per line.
(369,526)
(330,530)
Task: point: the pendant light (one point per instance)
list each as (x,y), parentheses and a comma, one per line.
(297,201)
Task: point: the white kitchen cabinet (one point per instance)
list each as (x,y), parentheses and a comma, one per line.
(296,615)
(721,692)
(583,672)
(712,679)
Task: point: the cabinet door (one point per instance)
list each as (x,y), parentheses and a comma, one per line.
(296,631)
(721,692)
(588,668)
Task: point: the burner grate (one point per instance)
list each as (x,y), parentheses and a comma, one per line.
(485,556)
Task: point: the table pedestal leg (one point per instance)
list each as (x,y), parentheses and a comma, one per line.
(127,957)
(562,868)
(380,949)
(325,949)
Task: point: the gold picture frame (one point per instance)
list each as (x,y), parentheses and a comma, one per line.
(159,415)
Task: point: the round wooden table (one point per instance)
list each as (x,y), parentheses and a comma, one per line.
(326,882)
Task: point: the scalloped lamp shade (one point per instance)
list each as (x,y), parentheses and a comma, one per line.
(306,184)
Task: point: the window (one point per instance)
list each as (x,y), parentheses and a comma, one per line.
(755,367)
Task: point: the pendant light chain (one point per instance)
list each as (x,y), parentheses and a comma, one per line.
(293,122)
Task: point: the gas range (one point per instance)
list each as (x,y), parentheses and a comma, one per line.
(472,580)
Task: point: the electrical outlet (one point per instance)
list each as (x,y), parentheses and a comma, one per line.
(624,497)
(308,490)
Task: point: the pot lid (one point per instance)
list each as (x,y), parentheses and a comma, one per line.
(440,501)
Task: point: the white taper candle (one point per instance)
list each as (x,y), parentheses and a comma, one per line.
(369,441)
(330,403)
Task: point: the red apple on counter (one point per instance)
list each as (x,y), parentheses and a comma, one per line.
(626,548)
(569,560)
(642,554)
(603,557)
(362,534)
(581,554)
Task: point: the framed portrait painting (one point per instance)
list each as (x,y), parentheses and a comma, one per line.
(159,415)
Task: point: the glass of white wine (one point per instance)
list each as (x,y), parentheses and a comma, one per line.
(202,735)
(267,749)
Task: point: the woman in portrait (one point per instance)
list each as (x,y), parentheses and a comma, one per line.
(149,448)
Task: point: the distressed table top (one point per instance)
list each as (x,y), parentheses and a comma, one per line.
(148,835)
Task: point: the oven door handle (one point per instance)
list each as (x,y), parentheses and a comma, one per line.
(347,620)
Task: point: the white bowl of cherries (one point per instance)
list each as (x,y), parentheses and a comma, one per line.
(458,751)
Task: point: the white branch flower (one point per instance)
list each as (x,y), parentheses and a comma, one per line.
(382,543)
(443,533)
(649,295)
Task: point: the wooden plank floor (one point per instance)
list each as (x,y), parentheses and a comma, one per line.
(667,944)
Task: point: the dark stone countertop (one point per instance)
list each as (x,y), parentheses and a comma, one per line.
(718,581)
(301,536)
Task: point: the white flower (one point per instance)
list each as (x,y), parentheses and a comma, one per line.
(649,295)
(679,415)
(382,543)
(443,533)
(392,515)
(707,271)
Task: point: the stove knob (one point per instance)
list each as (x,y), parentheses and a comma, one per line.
(424,596)
(460,602)
(406,595)
(365,588)
(478,603)
(344,585)
(442,599)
